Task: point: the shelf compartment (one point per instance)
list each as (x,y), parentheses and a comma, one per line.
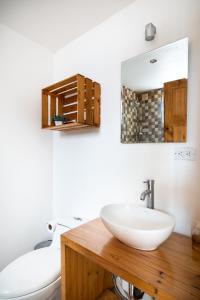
(76,98)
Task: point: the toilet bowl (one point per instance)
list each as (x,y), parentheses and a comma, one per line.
(36,274)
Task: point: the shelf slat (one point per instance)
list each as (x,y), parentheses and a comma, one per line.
(65,88)
(60,84)
(68,126)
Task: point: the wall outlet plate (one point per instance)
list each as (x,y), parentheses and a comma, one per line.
(185,153)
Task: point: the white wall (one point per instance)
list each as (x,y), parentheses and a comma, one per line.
(92,168)
(25,152)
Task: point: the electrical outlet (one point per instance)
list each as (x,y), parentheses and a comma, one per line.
(185,153)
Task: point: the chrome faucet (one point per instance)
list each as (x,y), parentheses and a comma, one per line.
(149,194)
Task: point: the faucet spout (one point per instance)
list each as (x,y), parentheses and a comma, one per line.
(149,194)
(145,194)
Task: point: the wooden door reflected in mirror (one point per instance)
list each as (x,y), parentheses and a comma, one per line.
(175,110)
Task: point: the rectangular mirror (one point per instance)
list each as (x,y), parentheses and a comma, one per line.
(154,95)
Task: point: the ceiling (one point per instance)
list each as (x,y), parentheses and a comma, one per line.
(54,23)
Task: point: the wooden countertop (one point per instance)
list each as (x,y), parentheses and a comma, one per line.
(171,272)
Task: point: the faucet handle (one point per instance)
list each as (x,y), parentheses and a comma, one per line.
(147,182)
(150,183)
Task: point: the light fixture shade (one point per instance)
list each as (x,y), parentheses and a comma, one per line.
(150,32)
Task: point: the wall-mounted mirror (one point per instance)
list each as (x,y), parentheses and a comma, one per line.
(154,95)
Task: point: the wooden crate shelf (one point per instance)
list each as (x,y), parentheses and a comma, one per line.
(77,99)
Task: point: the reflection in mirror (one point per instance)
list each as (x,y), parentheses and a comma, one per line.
(154,95)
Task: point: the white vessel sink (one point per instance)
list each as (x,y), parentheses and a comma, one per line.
(138,227)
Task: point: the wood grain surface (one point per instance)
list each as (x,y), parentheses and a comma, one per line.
(170,272)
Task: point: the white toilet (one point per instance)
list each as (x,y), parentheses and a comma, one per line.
(36,274)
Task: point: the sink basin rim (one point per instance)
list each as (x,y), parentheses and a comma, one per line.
(124,226)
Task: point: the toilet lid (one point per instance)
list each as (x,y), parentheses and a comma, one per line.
(30,272)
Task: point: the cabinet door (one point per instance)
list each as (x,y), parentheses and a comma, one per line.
(175,110)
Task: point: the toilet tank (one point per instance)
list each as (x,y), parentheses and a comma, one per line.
(64,225)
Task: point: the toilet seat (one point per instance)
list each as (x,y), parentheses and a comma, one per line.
(30,273)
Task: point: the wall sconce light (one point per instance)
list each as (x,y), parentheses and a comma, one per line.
(150,32)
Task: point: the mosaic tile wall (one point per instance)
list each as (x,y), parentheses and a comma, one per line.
(129,116)
(142,116)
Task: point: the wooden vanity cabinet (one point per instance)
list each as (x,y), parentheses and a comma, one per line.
(82,279)
(90,255)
